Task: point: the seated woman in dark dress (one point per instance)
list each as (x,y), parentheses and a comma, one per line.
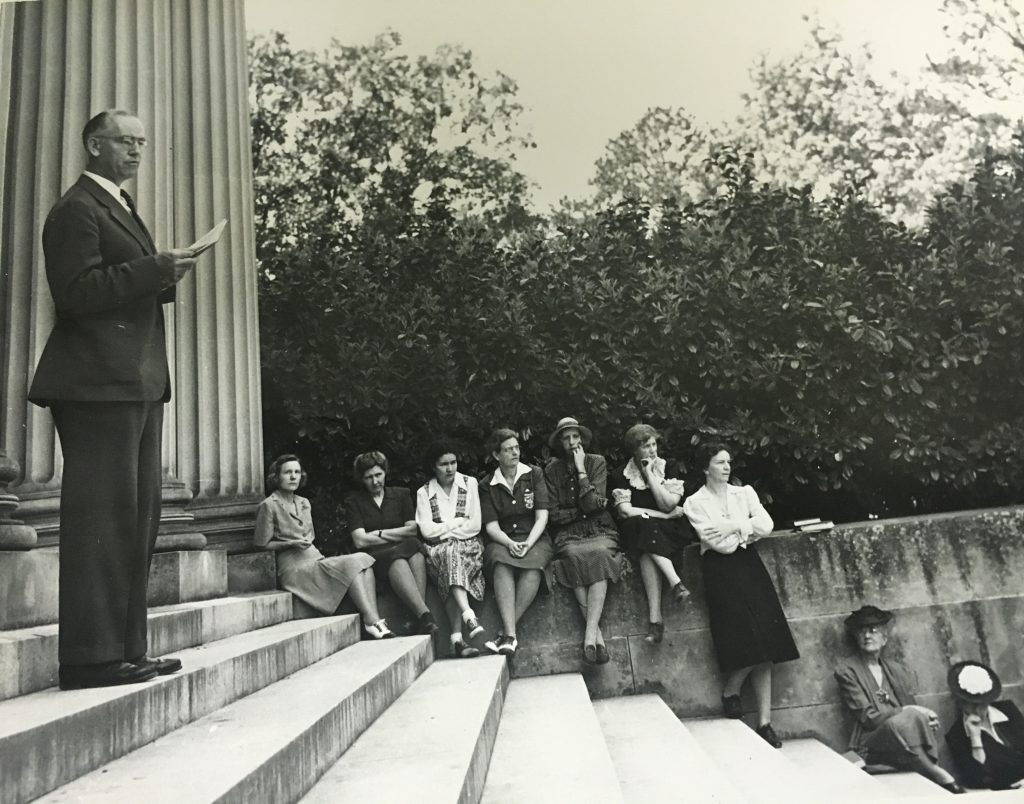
(284,524)
(514,504)
(646,494)
(889,728)
(748,626)
(587,554)
(987,739)
(382,521)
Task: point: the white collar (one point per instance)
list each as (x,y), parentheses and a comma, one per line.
(499,479)
(994,716)
(636,480)
(434,488)
(109,186)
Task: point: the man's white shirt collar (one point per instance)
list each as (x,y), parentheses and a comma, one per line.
(109,186)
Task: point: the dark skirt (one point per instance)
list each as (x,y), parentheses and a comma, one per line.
(538,558)
(748,625)
(899,740)
(662,537)
(587,552)
(386,555)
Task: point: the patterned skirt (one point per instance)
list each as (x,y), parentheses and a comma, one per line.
(457,562)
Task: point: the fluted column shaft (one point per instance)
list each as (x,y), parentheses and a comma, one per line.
(181,66)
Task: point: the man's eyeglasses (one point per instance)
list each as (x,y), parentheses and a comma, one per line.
(126,141)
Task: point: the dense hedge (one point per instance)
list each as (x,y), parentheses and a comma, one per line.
(858,367)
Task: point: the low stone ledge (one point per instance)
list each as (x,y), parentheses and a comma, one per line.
(252,572)
(28,588)
(184,576)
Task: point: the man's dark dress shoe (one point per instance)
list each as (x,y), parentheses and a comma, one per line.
(108,674)
(163,667)
(768,734)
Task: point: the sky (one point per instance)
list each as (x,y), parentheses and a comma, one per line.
(589,69)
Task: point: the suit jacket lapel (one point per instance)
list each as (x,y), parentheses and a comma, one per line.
(119,214)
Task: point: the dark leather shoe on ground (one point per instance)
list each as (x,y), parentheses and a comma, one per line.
(109,674)
(655,632)
(426,624)
(163,667)
(732,706)
(590,654)
(767,733)
(602,654)
(953,787)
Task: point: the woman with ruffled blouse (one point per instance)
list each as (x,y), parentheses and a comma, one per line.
(646,493)
(587,552)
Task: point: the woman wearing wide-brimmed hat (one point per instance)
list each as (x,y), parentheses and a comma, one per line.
(987,740)
(587,552)
(890,728)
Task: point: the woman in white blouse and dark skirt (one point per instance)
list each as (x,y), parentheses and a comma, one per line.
(748,626)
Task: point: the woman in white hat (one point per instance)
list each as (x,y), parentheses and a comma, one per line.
(587,553)
(987,740)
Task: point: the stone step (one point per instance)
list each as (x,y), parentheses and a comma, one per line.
(550,747)
(761,773)
(431,746)
(271,746)
(28,582)
(50,737)
(28,656)
(824,769)
(910,785)
(656,758)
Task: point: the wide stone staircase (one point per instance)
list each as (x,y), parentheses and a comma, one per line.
(271,707)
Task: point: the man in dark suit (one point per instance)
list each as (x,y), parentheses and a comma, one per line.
(104,375)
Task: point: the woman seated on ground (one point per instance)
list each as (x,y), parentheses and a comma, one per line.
(382,522)
(284,524)
(987,740)
(514,504)
(748,627)
(448,516)
(646,494)
(890,729)
(587,554)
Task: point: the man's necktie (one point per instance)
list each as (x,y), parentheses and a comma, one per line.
(131,208)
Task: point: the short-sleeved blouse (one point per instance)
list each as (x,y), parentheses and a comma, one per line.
(515,510)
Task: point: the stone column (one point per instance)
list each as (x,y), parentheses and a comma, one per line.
(182,66)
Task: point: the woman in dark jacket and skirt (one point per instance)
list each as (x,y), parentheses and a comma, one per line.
(748,626)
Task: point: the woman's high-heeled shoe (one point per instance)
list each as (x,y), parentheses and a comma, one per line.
(379,629)
(680,592)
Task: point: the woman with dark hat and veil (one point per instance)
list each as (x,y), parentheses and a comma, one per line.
(889,728)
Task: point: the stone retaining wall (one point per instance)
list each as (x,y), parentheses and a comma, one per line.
(955,581)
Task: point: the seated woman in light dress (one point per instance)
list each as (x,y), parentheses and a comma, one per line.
(889,728)
(284,524)
(448,516)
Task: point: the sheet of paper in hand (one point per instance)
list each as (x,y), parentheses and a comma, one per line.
(208,239)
